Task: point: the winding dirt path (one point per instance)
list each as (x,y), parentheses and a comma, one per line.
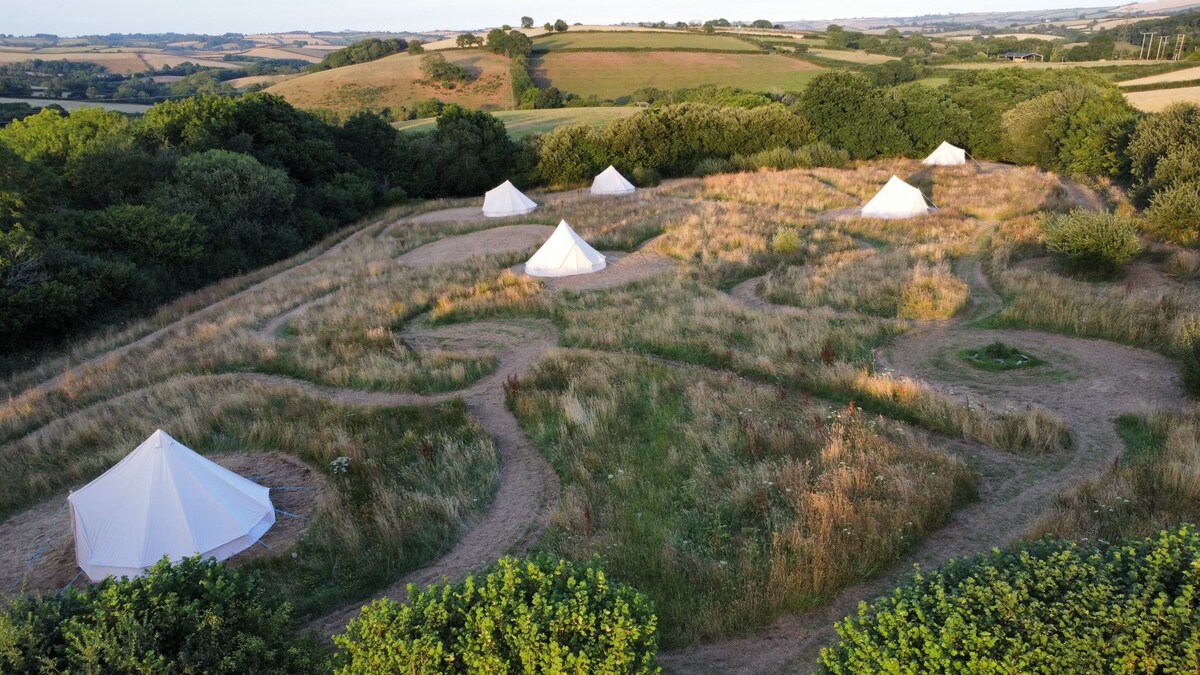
(1086,382)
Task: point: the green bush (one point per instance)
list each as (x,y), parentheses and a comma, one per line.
(644,176)
(192,617)
(786,242)
(537,616)
(1191,369)
(1174,214)
(1097,244)
(805,157)
(1046,607)
(713,165)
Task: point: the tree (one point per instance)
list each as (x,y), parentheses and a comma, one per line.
(762,23)
(709,27)
(526,22)
(560,26)
(1165,150)
(466,40)
(549,27)
(416,47)
(846,110)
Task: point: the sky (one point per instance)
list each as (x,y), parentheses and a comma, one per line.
(86,17)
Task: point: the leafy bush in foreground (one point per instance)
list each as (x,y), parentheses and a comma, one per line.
(1174,214)
(1048,607)
(1092,243)
(536,616)
(192,617)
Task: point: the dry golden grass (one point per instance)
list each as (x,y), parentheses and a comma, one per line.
(1000,193)
(683,479)
(1155,486)
(794,190)
(396,82)
(908,283)
(1160,99)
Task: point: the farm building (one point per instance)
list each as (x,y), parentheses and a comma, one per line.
(1021,57)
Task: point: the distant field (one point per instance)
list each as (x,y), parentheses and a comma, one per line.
(243,82)
(616,74)
(1154,101)
(393,82)
(990,65)
(934,81)
(521,123)
(614,40)
(1164,78)
(282,53)
(852,56)
(123,63)
(1019,36)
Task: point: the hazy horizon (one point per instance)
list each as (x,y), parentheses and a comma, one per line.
(77,17)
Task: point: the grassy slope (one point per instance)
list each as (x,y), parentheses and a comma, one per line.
(521,123)
(616,74)
(393,82)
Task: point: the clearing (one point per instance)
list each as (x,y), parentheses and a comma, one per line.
(757,436)
(613,75)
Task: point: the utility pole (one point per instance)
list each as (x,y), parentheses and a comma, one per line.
(1162,47)
(1180,39)
(1142,53)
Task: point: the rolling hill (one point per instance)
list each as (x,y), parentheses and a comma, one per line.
(396,81)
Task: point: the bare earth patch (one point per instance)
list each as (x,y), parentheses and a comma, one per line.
(505,239)
(37,552)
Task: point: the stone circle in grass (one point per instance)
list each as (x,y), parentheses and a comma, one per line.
(998,357)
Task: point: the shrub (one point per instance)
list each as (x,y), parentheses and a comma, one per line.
(1092,243)
(1174,214)
(1191,369)
(644,176)
(786,241)
(1050,607)
(192,617)
(541,615)
(805,157)
(713,165)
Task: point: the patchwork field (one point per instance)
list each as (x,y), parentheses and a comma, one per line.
(396,82)
(617,74)
(124,63)
(645,41)
(1185,75)
(852,56)
(1159,99)
(521,123)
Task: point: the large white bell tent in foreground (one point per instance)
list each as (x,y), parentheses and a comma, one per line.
(164,500)
(564,254)
(946,155)
(611,182)
(505,201)
(896,200)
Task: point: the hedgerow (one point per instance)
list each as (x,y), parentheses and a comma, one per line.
(1050,606)
(537,616)
(192,617)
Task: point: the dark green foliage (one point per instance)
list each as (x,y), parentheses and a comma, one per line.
(670,141)
(468,153)
(1191,369)
(1081,129)
(560,26)
(510,43)
(437,69)
(1174,213)
(1044,607)
(191,617)
(117,215)
(848,111)
(362,52)
(1091,244)
(537,616)
(1165,150)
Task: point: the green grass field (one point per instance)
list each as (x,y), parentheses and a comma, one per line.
(641,40)
(616,74)
(521,123)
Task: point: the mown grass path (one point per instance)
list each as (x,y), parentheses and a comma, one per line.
(1088,383)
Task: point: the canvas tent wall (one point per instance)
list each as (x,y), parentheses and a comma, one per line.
(564,254)
(163,499)
(506,200)
(896,200)
(611,182)
(946,155)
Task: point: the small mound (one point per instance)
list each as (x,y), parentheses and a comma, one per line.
(38,554)
(507,239)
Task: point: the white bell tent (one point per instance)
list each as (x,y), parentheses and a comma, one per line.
(506,200)
(946,155)
(564,254)
(163,499)
(611,182)
(896,200)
